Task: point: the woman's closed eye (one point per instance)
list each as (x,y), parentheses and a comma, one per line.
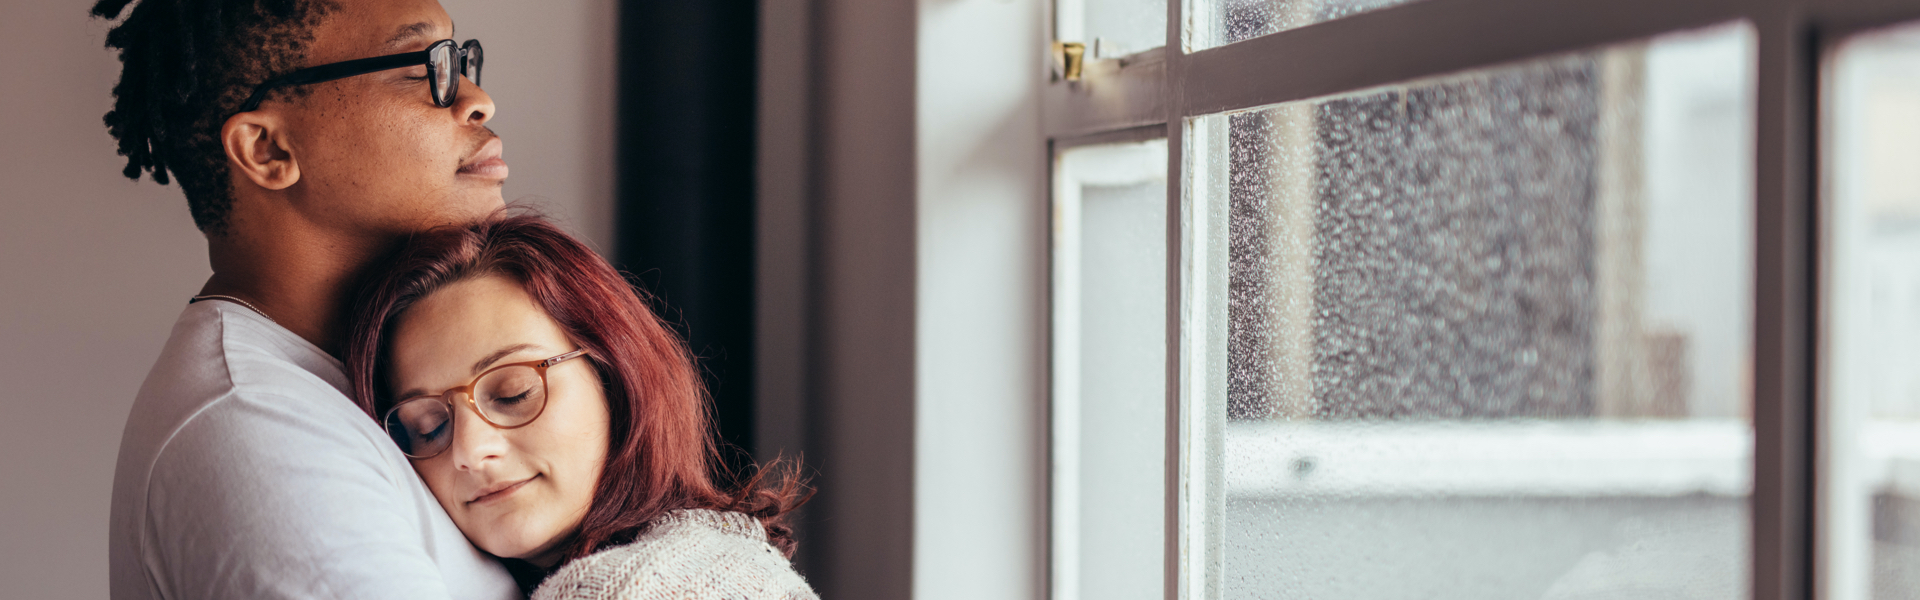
(427,432)
(513,399)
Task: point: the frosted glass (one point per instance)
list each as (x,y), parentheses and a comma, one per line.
(1110,366)
(1872,436)
(1487,336)
(1222,22)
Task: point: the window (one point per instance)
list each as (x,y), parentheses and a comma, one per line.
(1872,480)
(1476,298)
(1454,358)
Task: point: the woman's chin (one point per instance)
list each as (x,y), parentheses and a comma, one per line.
(543,551)
(545,559)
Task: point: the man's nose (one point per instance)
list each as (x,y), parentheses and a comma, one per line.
(474,106)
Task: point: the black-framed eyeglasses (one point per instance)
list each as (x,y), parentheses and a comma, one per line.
(506,396)
(445,64)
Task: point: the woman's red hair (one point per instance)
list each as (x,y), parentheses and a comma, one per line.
(661,453)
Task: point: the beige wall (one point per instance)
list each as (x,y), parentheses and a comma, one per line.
(94,268)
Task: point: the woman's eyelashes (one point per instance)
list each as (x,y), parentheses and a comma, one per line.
(514,399)
(434,432)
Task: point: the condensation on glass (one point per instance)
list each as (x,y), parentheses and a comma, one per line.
(1871,443)
(1222,22)
(1486,335)
(1109,371)
(1112,28)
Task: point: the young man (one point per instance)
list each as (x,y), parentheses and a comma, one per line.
(244,470)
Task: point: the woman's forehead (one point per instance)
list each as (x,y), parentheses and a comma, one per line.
(452,332)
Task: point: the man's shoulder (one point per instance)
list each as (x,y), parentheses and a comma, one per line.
(216,356)
(235,378)
(217,348)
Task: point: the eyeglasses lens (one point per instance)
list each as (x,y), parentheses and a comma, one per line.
(422,427)
(444,74)
(507,397)
(512,396)
(475,57)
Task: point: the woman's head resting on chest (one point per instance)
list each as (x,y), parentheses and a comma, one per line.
(546,406)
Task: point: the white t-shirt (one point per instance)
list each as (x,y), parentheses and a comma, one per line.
(245,472)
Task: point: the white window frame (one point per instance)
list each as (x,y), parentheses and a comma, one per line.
(1167,87)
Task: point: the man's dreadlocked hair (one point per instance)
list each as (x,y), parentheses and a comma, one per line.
(186,65)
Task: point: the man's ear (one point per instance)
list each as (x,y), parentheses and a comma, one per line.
(257,149)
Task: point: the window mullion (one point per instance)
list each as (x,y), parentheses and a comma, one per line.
(1178,302)
(1784,289)
(1112,95)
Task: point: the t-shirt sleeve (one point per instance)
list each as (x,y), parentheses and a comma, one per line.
(252,499)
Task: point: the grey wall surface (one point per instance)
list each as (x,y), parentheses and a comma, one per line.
(94,268)
(902,226)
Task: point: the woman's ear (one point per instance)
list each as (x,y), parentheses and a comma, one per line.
(257,149)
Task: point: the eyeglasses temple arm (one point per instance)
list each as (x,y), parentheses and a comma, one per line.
(563,358)
(330,72)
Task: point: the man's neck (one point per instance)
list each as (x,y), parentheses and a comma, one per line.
(300,278)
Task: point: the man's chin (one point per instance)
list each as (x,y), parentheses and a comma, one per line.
(471,206)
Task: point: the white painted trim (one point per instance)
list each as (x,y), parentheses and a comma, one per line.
(1516,458)
(1065,443)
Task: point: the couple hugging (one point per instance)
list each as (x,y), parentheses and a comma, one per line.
(389,388)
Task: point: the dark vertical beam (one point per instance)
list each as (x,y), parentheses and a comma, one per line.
(1784,311)
(685,207)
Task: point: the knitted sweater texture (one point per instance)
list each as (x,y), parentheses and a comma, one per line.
(686,555)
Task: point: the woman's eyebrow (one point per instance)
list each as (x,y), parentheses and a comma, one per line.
(479,366)
(482,364)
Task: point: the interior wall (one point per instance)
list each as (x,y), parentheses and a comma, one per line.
(94,268)
(550,69)
(981,301)
(902,228)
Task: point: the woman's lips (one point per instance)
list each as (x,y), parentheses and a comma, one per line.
(497,492)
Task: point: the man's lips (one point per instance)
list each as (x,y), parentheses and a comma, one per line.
(499,490)
(486,163)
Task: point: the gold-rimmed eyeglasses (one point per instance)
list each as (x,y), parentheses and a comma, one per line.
(506,396)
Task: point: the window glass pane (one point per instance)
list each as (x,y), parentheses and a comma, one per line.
(1112,28)
(1222,22)
(1483,336)
(1109,371)
(1872,440)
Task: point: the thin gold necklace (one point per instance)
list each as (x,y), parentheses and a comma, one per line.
(249,305)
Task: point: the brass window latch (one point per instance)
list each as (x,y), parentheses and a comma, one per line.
(1068,57)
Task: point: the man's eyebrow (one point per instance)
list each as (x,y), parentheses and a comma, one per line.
(409,33)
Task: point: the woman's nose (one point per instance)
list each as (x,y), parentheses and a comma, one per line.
(475,441)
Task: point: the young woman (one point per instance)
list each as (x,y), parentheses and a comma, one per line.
(559,422)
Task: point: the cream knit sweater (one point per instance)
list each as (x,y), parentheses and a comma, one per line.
(686,555)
